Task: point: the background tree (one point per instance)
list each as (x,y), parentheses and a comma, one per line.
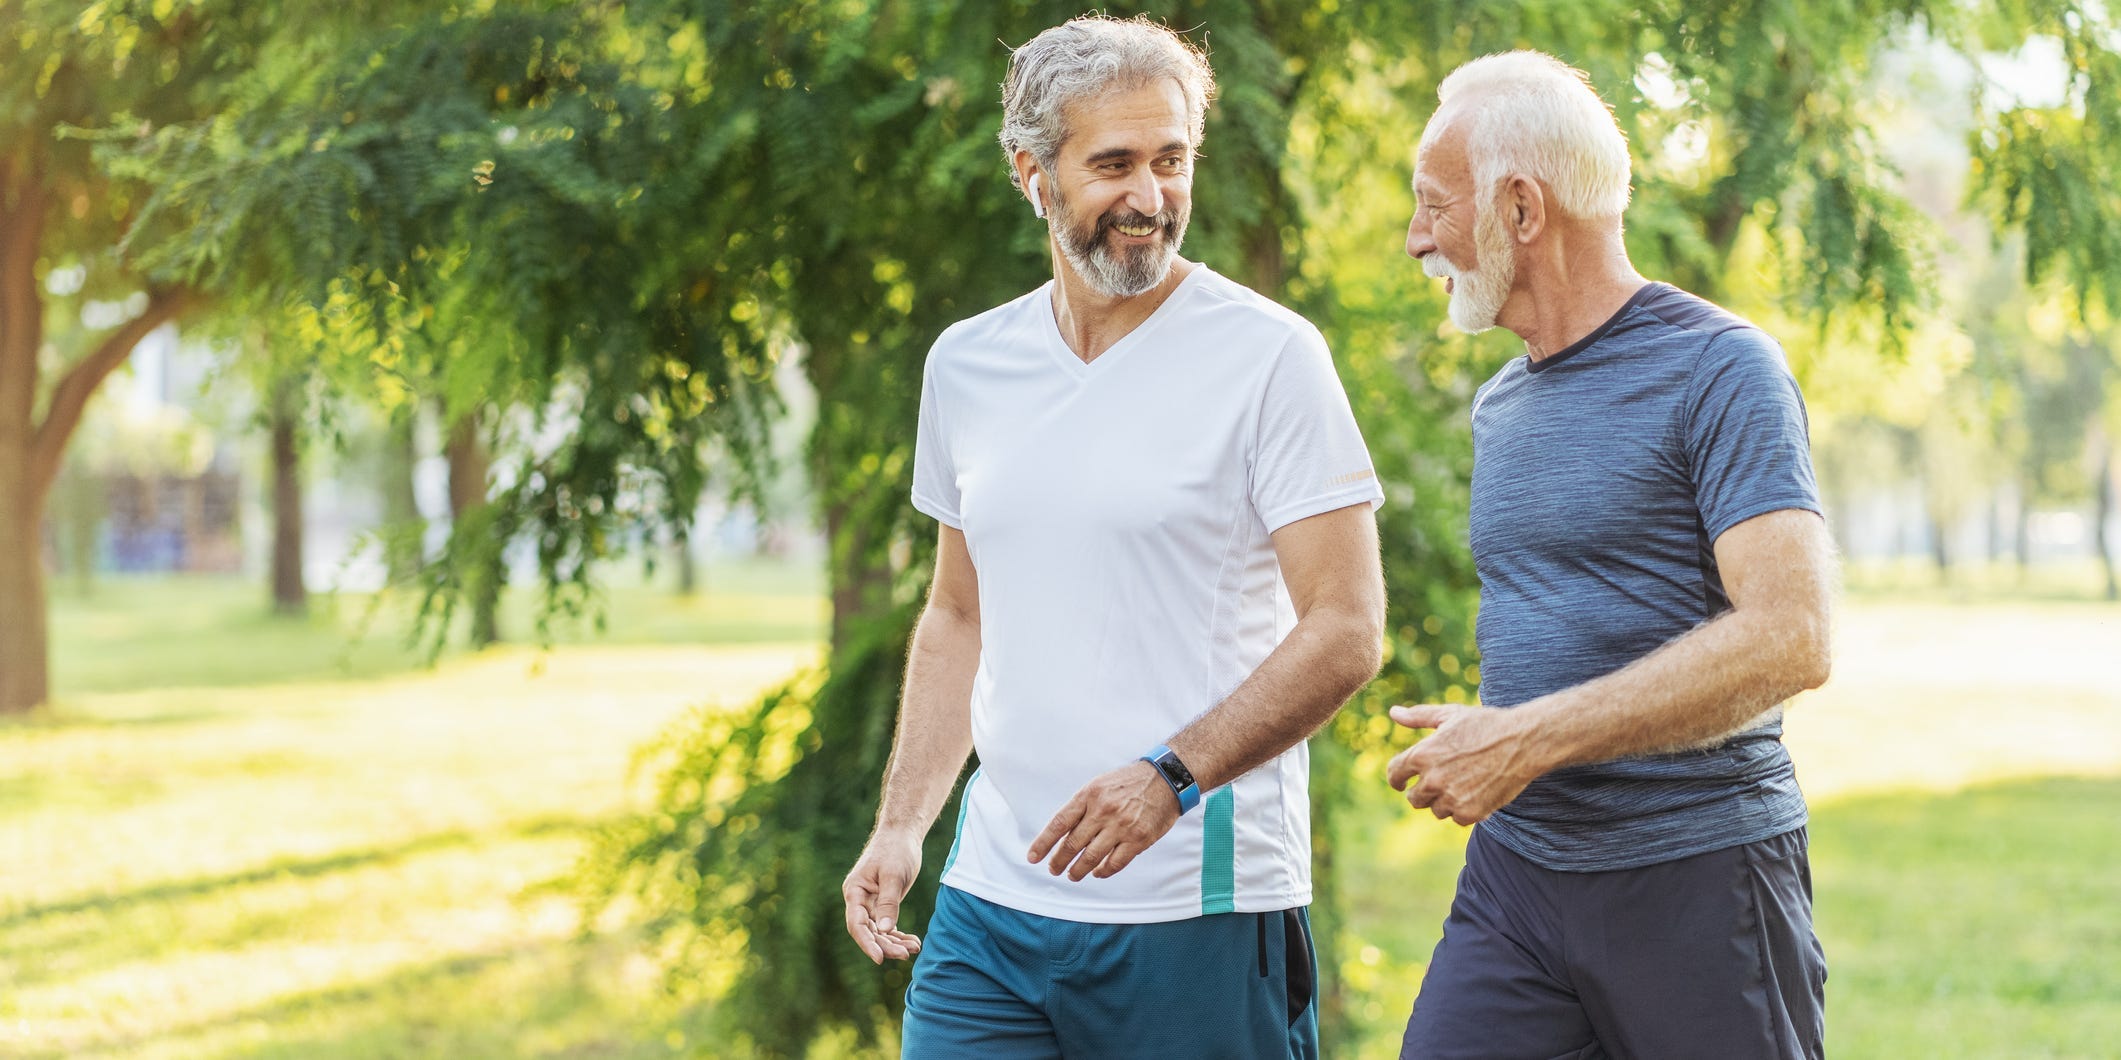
(1749,126)
(77,79)
(611,223)
(283,416)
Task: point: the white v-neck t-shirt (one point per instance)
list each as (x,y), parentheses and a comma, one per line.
(1118,513)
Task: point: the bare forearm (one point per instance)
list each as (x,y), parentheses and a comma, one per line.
(935,721)
(1702,686)
(1324,660)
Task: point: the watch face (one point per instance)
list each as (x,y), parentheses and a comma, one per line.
(1175,771)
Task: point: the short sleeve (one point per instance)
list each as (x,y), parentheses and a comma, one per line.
(1747,439)
(935,489)
(1308,456)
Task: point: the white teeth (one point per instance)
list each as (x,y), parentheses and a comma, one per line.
(1132,230)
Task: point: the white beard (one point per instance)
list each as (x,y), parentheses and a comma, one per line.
(1477,294)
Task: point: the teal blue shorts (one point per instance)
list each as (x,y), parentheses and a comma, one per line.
(995,982)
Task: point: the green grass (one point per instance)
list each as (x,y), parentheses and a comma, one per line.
(230,840)
(341,868)
(227,839)
(200,631)
(1908,579)
(1964,772)
(1987,923)
(1982,924)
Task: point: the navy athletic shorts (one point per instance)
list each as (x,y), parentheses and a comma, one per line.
(995,982)
(1706,956)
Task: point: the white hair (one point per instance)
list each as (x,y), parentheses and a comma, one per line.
(1528,112)
(1087,57)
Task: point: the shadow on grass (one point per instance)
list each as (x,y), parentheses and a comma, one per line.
(199,632)
(508,1001)
(178,890)
(60,718)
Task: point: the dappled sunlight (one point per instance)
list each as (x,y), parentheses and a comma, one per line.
(1963,766)
(362,866)
(204,856)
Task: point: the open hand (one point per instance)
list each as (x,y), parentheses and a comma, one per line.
(1112,819)
(873,891)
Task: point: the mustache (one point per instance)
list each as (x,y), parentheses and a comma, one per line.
(1436,266)
(1166,219)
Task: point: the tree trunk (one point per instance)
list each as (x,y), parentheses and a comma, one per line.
(290,596)
(24,665)
(2104,517)
(31,451)
(1838,521)
(688,569)
(858,578)
(2022,539)
(24,661)
(1266,265)
(1995,527)
(469,464)
(403,526)
(860,585)
(1940,554)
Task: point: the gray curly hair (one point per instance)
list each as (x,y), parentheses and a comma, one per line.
(1087,57)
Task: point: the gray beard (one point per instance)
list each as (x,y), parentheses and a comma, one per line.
(1113,272)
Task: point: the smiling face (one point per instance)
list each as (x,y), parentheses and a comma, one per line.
(1122,190)
(1457,233)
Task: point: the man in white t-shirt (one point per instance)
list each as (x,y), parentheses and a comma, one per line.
(1157,575)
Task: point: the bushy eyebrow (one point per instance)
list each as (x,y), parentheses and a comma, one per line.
(1111,153)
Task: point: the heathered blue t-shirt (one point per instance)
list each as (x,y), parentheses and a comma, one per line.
(1602,477)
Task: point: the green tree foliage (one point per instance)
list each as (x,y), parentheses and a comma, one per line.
(1746,119)
(73,77)
(481,206)
(612,221)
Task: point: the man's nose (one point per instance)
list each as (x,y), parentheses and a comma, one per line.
(1145,195)
(1418,240)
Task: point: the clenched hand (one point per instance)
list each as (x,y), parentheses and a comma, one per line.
(1477,760)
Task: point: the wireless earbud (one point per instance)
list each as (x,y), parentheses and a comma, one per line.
(1038,203)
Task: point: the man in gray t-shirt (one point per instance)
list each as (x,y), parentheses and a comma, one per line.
(1655,582)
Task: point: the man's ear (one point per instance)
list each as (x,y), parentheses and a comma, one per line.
(1031,181)
(1525,205)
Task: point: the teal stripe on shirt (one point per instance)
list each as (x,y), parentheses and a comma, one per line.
(1218,852)
(957,839)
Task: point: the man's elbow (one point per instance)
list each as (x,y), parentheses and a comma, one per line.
(1814,655)
(1361,651)
(1820,665)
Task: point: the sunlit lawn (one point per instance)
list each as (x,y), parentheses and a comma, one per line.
(258,854)
(159,633)
(234,837)
(1964,770)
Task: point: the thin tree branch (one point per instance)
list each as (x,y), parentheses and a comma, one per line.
(80,382)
